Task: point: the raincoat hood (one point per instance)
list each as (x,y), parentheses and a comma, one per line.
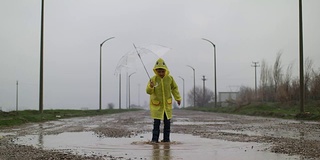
(161,64)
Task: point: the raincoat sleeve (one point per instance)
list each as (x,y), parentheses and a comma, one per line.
(175,90)
(149,89)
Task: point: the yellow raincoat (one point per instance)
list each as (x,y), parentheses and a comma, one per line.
(161,94)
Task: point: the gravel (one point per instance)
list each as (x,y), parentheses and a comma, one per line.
(301,138)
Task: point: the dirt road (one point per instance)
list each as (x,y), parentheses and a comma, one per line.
(198,135)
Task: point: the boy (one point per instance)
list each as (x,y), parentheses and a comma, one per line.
(161,87)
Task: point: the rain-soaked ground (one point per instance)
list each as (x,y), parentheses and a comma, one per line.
(195,135)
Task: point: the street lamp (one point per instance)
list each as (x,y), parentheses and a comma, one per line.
(215,71)
(17,96)
(129,87)
(120,90)
(101,71)
(139,95)
(194,85)
(41,60)
(301,72)
(183,92)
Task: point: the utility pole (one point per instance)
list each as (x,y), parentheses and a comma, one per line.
(255,65)
(301,59)
(204,88)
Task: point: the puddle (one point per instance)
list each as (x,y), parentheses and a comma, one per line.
(199,123)
(303,122)
(278,134)
(249,133)
(6,134)
(183,147)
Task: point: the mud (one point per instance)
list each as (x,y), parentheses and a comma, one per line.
(195,135)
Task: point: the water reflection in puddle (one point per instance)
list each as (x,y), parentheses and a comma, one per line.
(183,147)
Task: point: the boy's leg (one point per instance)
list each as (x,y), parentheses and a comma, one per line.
(166,129)
(156,130)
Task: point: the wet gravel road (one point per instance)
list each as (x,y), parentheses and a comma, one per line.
(299,138)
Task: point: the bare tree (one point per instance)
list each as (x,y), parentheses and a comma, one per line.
(246,95)
(277,71)
(201,101)
(263,79)
(270,88)
(288,76)
(307,76)
(295,89)
(209,97)
(110,106)
(286,83)
(315,86)
(278,86)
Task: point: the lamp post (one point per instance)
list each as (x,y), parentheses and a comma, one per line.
(194,85)
(301,72)
(41,60)
(183,92)
(215,71)
(139,95)
(120,90)
(101,70)
(129,88)
(17,96)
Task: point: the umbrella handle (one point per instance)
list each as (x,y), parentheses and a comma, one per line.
(156,85)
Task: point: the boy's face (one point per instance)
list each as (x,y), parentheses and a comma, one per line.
(161,72)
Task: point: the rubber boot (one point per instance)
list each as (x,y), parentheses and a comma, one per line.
(156,131)
(166,129)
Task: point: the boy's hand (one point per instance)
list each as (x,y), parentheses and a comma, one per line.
(151,84)
(179,102)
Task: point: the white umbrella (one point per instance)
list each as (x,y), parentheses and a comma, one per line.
(144,53)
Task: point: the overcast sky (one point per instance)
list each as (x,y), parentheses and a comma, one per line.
(243,31)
